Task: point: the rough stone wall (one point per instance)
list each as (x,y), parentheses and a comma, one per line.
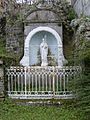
(1,81)
(15,34)
(42,18)
(14,38)
(14,30)
(50,16)
(81,7)
(81,37)
(87,8)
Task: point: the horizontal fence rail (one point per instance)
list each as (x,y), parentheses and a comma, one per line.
(40,82)
(36,1)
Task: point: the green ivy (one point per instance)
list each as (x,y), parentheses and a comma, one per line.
(71,14)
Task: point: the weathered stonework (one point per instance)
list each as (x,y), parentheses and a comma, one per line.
(16,36)
(44,15)
(42,18)
(1,81)
(32,26)
(81,40)
(39,20)
(81,7)
(14,39)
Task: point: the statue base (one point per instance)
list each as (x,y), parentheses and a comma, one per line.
(44,64)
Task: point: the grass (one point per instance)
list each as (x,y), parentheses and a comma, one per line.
(2,47)
(11,111)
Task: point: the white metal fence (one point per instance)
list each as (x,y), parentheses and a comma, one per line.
(40,82)
(36,1)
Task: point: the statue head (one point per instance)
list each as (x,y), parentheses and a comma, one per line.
(44,39)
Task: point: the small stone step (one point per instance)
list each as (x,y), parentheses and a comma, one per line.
(38,103)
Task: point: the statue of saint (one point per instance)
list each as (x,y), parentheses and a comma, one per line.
(44,52)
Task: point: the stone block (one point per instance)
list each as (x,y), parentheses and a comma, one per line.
(1,80)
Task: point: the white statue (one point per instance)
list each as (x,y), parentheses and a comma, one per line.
(44,52)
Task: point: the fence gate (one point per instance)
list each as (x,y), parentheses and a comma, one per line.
(40,82)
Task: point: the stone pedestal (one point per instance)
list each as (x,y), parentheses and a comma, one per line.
(1,81)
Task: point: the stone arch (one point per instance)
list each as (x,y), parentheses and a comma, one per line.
(25,59)
(44,9)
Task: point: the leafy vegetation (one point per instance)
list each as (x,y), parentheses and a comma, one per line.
(7,58)
(71,14)
(2,47)
(82,82)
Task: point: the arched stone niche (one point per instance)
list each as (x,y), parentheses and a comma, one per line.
(33,40)
(42,15)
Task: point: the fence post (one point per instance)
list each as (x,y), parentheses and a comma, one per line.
(8,75)
(25,80)
(53,82)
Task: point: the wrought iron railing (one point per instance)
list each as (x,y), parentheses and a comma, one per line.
(36,1)
(40,82)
